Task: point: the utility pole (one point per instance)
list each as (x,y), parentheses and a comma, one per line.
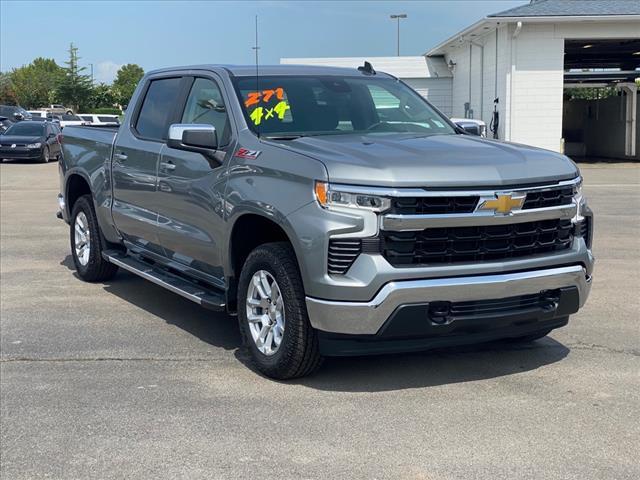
(397,19)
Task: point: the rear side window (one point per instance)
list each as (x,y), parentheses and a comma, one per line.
(157,107)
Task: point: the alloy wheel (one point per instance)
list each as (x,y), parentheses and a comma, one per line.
(265,312)
(82,238)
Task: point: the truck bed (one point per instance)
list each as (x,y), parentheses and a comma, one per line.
(85,144)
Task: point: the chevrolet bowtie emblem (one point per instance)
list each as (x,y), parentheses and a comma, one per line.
(503,203)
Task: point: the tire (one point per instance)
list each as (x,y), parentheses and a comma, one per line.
(298,353)
(529,338)
(90,264)
(46,155)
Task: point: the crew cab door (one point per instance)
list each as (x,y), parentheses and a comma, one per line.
(136,155)
(191,186)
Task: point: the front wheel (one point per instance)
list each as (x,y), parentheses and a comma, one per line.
(45,156)
(85,243)
(273,316)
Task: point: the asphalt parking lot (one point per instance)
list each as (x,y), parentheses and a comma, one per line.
(126,380)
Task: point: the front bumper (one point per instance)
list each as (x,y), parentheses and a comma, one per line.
(368,318)
(20,153)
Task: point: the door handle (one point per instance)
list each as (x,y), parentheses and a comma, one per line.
(120,156)
(168,166)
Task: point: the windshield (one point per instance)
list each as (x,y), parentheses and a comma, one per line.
(25,129)
(307,105)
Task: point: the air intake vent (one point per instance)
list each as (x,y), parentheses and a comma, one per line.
(342,254)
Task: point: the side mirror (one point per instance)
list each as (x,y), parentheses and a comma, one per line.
(18,116)
(469,127)
(193,137)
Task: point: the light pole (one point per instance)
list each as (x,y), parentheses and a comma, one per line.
(397,19)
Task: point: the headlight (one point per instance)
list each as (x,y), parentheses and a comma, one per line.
(34,145)
(330,196)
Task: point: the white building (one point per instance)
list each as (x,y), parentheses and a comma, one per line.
(429,76)
(525,57)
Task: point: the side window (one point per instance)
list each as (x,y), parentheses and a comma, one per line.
(157,107)
(206,105)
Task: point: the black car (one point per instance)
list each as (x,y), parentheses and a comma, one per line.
(14,113)
(4,124)
(40,141)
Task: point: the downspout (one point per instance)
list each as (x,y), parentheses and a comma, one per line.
(470,71)
(516,32)
(481,47)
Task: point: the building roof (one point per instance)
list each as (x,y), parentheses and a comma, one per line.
(400,67)
(574,8)
(548,11)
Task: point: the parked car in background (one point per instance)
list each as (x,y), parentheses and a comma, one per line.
(71,120)
(99,119)
(43,115)
(51,120)
(31,140)
(4,124)
(14,113)
(59,109)
(472,126)
(40,114)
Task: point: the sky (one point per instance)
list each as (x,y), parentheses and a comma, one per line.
(157,34)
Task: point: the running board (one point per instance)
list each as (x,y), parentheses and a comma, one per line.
(192,291)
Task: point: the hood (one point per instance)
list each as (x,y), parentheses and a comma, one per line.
(9,139)
(434,161)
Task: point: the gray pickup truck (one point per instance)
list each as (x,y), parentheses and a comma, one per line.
(335,211)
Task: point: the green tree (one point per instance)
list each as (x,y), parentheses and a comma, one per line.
(101,96)
(75,88)
(34,84)
(125,83)
(7,93)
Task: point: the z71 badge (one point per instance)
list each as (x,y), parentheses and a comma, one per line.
(249,154)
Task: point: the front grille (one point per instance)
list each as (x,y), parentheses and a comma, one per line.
(342,254)
(549,198)
(472,244)
(433,205)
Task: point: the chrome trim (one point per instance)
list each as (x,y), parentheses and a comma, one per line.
(177,129)
(61,202)
(148,275)
(409,223)
(425,192)
(368,317)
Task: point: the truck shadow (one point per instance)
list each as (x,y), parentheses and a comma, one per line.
(347,374)
(215,328)
(435,367)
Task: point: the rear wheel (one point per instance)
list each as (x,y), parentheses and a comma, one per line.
(273,316)
(86,247)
